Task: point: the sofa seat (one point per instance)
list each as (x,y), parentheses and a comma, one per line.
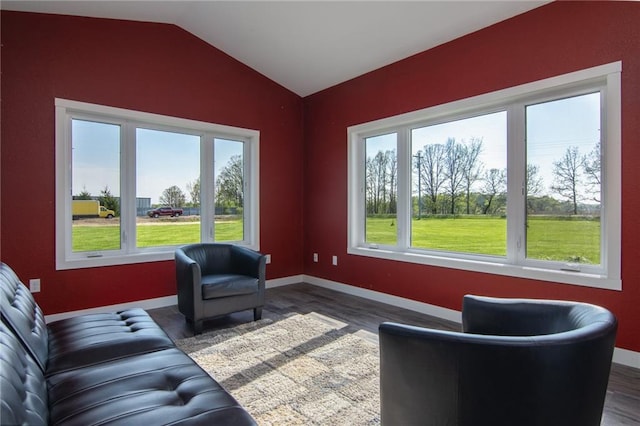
(118,369)
(75,342)
(226,285)
(93,338)
(162,387)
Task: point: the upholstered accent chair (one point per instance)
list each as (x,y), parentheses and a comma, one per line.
(217,279)
(517,362)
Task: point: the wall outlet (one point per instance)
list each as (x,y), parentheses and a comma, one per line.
(268,257)
(334,260)
(34,285)
(315,257)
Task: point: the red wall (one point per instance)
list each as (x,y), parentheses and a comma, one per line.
(163,69)
(555,39)
(148,67)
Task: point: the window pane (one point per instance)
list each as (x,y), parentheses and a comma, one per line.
(229,187)
(563,180)
(95,186)
(381,189)
(459,185)
(167,175)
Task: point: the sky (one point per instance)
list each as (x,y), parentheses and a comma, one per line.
(163,159)
(551,128)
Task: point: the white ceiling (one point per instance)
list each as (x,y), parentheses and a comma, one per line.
(306,46)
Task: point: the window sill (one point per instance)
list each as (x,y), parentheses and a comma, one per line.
(516,271)
(92,262)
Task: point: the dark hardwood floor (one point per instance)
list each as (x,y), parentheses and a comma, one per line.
(622,406)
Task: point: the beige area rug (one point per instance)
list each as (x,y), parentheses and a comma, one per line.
(295,370)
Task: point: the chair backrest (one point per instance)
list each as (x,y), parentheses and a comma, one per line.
(548,366)
(213,258)
(23,315)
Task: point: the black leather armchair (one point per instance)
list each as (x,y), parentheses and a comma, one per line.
(517,362)
(218,279)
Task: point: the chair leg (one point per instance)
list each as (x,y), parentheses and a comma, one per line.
(257,314)
(197,327)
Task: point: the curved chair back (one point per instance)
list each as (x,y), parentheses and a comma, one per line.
(518,362)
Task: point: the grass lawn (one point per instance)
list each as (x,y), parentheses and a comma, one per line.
(107,237)
(548,239)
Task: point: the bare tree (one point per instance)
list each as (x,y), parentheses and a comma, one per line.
(495,184)
(535,184)
(194,191)
(381,182)
(173,196)
(567,176)
(432,176)
(592,172)
(534,187)
(471,167)
(453,171)
(393,181)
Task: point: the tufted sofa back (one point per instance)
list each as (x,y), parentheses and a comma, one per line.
(22,313)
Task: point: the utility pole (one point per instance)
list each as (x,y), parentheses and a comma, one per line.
(419,157)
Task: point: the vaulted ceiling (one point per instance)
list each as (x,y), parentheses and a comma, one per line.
(306,46)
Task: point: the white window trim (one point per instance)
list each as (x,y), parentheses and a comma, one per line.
(608,76)
(129,119)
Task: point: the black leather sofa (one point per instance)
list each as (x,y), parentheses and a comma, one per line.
(518,362)
(117,369)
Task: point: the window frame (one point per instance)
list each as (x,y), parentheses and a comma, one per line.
(604,78)
(129,120)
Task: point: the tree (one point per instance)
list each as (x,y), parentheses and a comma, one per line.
(83,195)
(495,184)
(109,201)
(381,182)
(471,168)
(194,192)
(567,176)
(592,172)
(230,184)
(534,186)
(173,196)
(431,165)
(453,170)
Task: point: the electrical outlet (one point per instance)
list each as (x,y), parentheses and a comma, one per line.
(34,285)
(334,260)
(268,258)
(315,257)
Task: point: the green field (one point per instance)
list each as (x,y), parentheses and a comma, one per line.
(547,238)
(107,237)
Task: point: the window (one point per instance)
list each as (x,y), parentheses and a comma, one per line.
(522,182)
(132,186)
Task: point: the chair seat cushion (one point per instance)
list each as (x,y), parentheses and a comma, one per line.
(225,285)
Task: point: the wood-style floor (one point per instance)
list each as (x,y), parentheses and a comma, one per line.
(622,405)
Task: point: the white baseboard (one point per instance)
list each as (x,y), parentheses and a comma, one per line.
(626,357)
(277,282)
(159,302)
(620,356)
(412,305)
